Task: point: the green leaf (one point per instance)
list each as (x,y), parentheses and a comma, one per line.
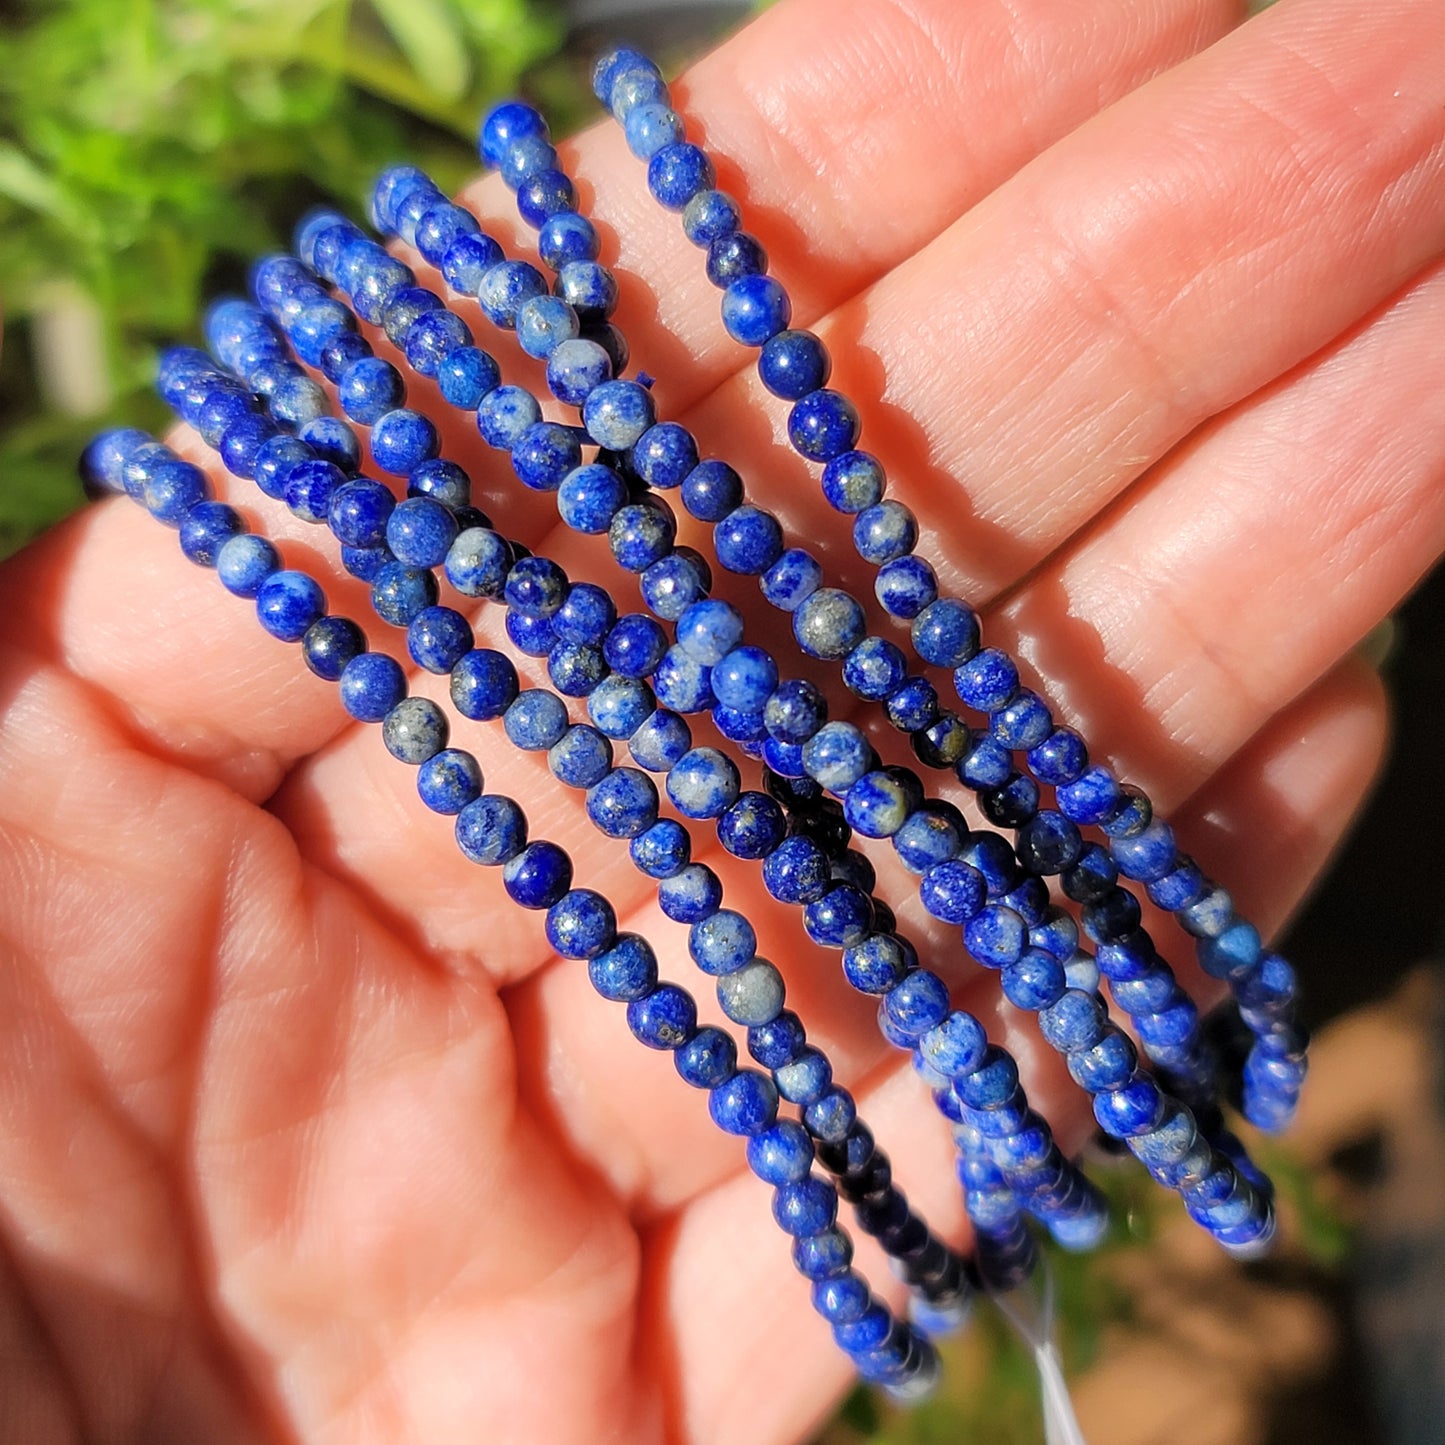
(427,33)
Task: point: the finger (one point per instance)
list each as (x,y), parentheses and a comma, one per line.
(1166,259)
(1270,820)
(903,115)
(1254,557)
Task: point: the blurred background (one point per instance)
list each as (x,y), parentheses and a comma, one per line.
(148,150)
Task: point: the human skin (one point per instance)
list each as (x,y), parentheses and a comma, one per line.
(305,1134)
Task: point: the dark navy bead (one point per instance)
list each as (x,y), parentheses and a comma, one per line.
(946,633)
(440,225)
(711,491)
(663,850)
(478,562)
(752,827)
(628,971)
(661,741)
(467,260)
(617,413)
(581,757)
(288,603)
(986,765)
(666,1018)
(581,924)
(538,876)
(820,1256)
(206,528)
(1013,803)
(913,706)
(665,455)
(329,644)
(1049,843)
(437,637)
(400,592)
(1092,876)
(1115,915)
(240,442)
(543,194)
(333,441)
(371,686)
(505,287)
(841,917)
(566,236)
(620,705)
(852,481)
(792,579)
(710,216)
(823,425)
(466,375)
(683,683)
(535,587)
(623,804)
(797,871)
(830,623)
(414,730)
(369,389)
(491,830)
(401,440)
(708,1059)
(748,541)
(536,720)
(875,964)
(691,894)
(794,364)
(875,669)
(746,1104)
(448,781)
(358,512)
(917,1004)
(733,256)
(676,173)
(612,342)
(545,323)
(635,645)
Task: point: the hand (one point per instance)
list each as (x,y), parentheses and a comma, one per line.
(305,1135)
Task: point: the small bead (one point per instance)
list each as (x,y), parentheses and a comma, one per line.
(708,1059)
(567,236)
(830,623)
(746,1104)
(795,711)
(875,669)
(544,323)
(526,156)
(875,964)
(581,757)
(905,587)
(711,491)
(945,633)
(710,216)
(620,705)
(576,367)
(402,439)
(535,587)
(581,924)
(589,289)
(404,308)
(206,528)
(628,971)
(703,784)
(537,876)
(478,563)
(536,720)
(823,425)
(663,1019)
(448,781)
(440,225)
(995,936)
(662,851)
(754,309)
(782,1154)
(651,126)
(504,123)
(491,830)
(792,579)
(661,741)
(733,256)
(682,683)
(421,531)
(837,755)
(431,338)
(840,918)
(414,730)
(617,413)
(623,804)
(927,839)
(751,995)
(329,644)
(467,260)
(1024,723)
(1035,981)
(752,827)
(877,805)
(544,193)
(437,637)
(690,894)
(676,173)
(505,287)
(722,942)
(665,455)
(852,481)
(635,646)
(372,684)
(676,580)
(708,631)
(748,541)
(590,497)
(797,871)
(333,441)
(400,592)
(369,388)
(287,603)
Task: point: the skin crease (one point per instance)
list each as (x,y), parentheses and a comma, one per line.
(303,1135)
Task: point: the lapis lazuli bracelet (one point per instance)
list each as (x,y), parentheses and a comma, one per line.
(292,383)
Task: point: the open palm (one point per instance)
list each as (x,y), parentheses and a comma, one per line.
(304,1134)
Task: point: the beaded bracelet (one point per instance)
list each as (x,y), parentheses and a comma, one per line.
(823,782)
(1225,1196)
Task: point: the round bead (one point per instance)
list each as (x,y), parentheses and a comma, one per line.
(837,755)
(905,587)
(420,531)
(580,757)
(566,236)
(537,876)
(543,193)
(372,684)
(746,1104)
(875,964)
(709,630)
(576,367)
(711,491)
(852,481)
(676,173)
(877,805)
(722,941)
(590,497)
(581,924)
(734,255)
(823,425)
(666,1018)
(795,711)
(310,487)
(287,603)
(793,364)
(491,830)
(401,439)
(635,645)
(369,388)
(617,413)
(503,288)
(329,644)
(703,784)
(792,579)
(661,741)
(437,637)
(478,563)
(710,216)
(754,309)
(536,720)
(623,804)
(414,730)
(751,995)
(830,623)
(400,592)
(683,683)
(206,528)
(781,1154)
(535,587)
(748,541)
(945,633)
(544,323)
(752,827)
(665,455)
(449,781)
(620,705)
(467,260)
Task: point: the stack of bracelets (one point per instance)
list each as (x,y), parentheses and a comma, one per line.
(634,679)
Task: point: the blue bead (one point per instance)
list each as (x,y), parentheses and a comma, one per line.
(172,489)
(708,1059)
(875,964)
(689,893)
(995,936)
(885,532)
(102,463)
(1147,855)
(665,455)
(245,562)
(589,289)
(747,1104)
(576,367)
(748,541)
(797,871)
(744,678)
(429,339)
(876,805)
(666,1018)
(611,340)
(341,353)
(837,755)
(310,488)
(1133,1109)
(752,827)
(506,122)
(617,413)
(651,126)
(793,364)
(371,686)
(581,757)
(402,439)
(611,65)
(241,441)
(905,586)
(682,683)
(414,730)
(916,1005)
(505,287)
(823,425)
(711,491)
(478,562)
(710,216)
(946,633)
(792,579)
(709,630)
(1035,981)
(807,1079)
(505,415)
(1049,843)
(467,260)
(466,375)
(369,389)
(777,1042)
(795,711)
(206,528)
(492,830)
(955,1047)
(544,323)
(526,156)
(661,741)
(535,720)
(628,971)
(703,784)
(722,941)
(295,400)
(805,1208)
(635,646)
(674,582)
(535,587)
(782,1154)
(437,637)
(420,531)
(538,876)
(637,84)
(852,481)
(586,615)
(544,193)
(1235,951)
(733,256)
(623,804)
(620,705)
(819,1256)
(1023,723)
(755,309)
(392,185)
(676,173)
(840,918)
(329,644)
(829,623)
(1075,1023)
(581,924)
(928,838)
(288,603)
(440,225)
(443,482)
(221,409)
(544,454)
(566,236)
(875,669)
(663,851)
(589,497)
(449,780)
(359,511)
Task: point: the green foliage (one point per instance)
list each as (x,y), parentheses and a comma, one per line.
(150,148)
